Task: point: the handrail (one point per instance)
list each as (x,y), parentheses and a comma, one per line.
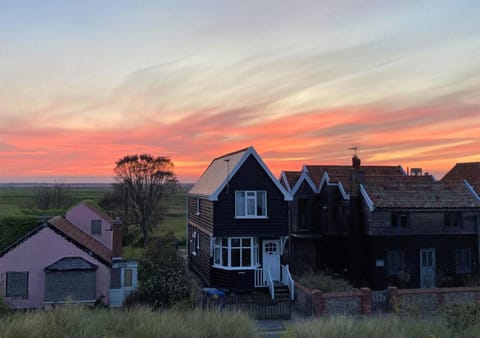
(259,282)
(288,280)
(270,284)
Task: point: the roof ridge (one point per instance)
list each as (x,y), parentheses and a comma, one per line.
(232,153)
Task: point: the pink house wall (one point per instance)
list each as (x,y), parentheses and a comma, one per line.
(81,216)
(36,253)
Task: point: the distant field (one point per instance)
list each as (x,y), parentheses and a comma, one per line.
(15,198)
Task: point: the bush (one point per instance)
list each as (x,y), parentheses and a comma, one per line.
(14,227)
(162,275)
(460,316)
(325,282)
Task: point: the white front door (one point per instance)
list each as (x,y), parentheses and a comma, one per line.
(271,258)
(427,268)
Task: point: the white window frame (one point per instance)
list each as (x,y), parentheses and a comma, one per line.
(196,243)
(249,195)
(218,256)
(198,206)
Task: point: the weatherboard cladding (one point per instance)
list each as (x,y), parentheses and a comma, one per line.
(204,219)
(200,262)
(251,176)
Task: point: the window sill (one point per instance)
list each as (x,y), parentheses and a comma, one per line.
(251,217)
(235,268)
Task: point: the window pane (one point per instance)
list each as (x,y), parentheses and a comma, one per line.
(225,256)
(240,203)
(250,207)
(246,242)
(246,257)
(235,257)
(261,207)
(236,242)
(128,278)
(115,279)
(216,255)
(225,242)
(96,227)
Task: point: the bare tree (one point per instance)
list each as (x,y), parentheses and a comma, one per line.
(53,196)
(145,180)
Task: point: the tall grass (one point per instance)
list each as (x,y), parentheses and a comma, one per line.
(71,321)
(380,327)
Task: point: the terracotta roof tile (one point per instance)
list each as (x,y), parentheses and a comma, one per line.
(82,238)
(418,192)
(292,177)
(469,171)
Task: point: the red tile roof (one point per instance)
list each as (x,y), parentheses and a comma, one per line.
(418,192)
(292,177)
(81,238)
(469,171)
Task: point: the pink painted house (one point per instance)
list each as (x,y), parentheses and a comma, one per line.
(62,261)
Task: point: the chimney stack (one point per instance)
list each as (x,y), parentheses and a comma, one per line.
(356,162)
(117,239)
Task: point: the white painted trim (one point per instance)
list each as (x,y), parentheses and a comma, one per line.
(235,268)
(304,177)
(342,190)
(248,152)
(367,198)
(470,188)
(283,178)
(325,178)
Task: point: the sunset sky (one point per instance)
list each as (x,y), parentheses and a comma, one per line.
(83,83)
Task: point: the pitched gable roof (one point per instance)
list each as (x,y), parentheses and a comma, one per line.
(469,171)
(81,239)
(98,211)
(416,192)
(289,178)
(223,168)
(72,233)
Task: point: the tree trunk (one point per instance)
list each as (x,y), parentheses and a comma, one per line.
(145,234)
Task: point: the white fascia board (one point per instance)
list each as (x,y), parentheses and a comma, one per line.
(469,187)
(283,178)
(367,198)
(304,177)
(250,151)
(326,179)
(342,190)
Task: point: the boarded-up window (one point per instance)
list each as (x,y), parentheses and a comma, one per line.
(96,227)
(17,284)
(116,278)
(73,285)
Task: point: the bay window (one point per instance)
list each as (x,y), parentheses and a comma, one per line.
(235,252)
(250,204)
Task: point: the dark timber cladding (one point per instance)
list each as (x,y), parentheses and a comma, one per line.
(251,176)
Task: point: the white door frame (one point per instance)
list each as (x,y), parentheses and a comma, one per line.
(271,258)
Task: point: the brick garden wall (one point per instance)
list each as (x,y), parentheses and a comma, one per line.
(402,301)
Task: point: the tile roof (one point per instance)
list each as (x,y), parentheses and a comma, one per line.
(82,239)
(418,192)
(469,171)
(292,178)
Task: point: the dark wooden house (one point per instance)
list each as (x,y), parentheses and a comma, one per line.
(238,224)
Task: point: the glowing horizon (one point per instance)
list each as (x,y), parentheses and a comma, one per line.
(85,84)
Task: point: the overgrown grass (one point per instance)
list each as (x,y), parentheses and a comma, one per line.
(70,321)
(391,327)
(325,282)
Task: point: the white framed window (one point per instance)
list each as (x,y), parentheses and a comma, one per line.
(250,204)
(195,242)
(235,253)
(197,212)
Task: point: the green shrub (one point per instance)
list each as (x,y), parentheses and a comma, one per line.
(14,227)
(460,316)
(325,282)
(162,275)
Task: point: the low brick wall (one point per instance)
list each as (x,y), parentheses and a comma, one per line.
(401,301)
(416,301)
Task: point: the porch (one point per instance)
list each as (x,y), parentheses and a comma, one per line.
(263,279)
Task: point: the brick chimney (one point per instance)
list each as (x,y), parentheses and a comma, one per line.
(356,162)
(117,238)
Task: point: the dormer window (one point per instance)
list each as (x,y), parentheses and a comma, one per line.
(250,204)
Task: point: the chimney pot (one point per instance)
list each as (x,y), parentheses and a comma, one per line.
(356,162)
